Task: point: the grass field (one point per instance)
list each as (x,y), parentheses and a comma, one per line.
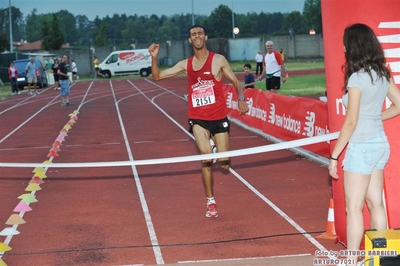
(300,85)
(304,85)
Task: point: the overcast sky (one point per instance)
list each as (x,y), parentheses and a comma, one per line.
(102,8)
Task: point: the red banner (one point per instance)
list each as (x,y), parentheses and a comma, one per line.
(284,117)
(384,18)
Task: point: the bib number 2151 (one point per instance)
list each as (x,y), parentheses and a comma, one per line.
(203,96)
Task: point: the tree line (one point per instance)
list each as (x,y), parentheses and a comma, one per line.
(54,29)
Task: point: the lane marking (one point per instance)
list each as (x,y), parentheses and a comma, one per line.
(244,259)
(143,201)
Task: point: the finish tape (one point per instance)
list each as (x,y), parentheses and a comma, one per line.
(240,152)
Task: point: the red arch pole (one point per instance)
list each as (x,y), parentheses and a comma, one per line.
(384,19)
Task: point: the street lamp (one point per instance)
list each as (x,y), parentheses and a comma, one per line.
(312,31)
(236,31)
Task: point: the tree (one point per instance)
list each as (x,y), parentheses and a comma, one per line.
(312,15)
(219,23)
(67,25)
(52,38)
(84,30)
(247,24)
(294,21)
(4,42)
(18,23)
(168,31)
(100,40)
(46,37)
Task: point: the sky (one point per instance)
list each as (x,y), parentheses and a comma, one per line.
(102,8)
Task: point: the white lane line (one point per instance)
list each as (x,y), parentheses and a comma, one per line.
(143,202)
(247,259)
(27,120)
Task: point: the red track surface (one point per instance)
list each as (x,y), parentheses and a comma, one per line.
(104,216)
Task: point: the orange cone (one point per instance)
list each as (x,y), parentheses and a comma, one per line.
(330,225)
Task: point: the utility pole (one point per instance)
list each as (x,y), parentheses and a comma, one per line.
(233,22)
(10,22)
(192,14)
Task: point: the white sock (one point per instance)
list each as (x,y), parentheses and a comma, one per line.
(210,201)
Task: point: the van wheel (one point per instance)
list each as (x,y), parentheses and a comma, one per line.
(106,74)
(144,72)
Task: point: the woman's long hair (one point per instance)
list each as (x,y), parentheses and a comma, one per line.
(363,51)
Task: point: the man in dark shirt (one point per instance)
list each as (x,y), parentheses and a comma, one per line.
(64,81)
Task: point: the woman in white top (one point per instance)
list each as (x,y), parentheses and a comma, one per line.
(13,76)
(367,82)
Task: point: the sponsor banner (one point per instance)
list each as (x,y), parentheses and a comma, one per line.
(384,19)
(284,117)
(131,57)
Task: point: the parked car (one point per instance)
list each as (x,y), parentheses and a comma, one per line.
(40,73)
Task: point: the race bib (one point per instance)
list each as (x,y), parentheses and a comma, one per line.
(203,96)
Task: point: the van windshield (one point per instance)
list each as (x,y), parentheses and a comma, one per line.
(113,58)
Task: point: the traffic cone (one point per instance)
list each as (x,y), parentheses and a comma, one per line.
(330,225)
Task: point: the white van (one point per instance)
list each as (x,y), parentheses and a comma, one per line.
(127,62)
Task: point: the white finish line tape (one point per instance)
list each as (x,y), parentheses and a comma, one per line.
(241,152)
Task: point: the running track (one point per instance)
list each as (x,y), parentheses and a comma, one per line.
(270,204)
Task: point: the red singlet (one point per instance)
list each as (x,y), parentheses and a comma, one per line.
(206,97)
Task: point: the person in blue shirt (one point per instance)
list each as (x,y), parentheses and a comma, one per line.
(249,80)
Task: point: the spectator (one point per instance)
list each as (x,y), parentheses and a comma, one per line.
(249,81)
(259,62)
(74,70)
(64,81)
(367,83)
(274,68)
(55,75)
(283,55)
(30,71)
(47,63)
(13,76)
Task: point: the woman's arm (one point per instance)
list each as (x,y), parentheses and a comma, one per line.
(348,128)
(394,96)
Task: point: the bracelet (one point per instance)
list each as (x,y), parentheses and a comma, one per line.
(335,159)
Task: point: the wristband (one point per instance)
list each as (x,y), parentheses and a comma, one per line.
(241,98)
(335,159)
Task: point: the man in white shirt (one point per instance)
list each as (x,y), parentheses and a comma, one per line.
(259,62)
(74,70)
(274,68)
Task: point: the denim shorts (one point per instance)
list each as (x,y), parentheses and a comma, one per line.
(364,157)
(64,87)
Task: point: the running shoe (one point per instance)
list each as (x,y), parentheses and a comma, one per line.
(63,104)
(31,93)
(69,104)
(211,210)
(37,93)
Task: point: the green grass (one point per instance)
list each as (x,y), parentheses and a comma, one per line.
(295,65)
(300,85)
